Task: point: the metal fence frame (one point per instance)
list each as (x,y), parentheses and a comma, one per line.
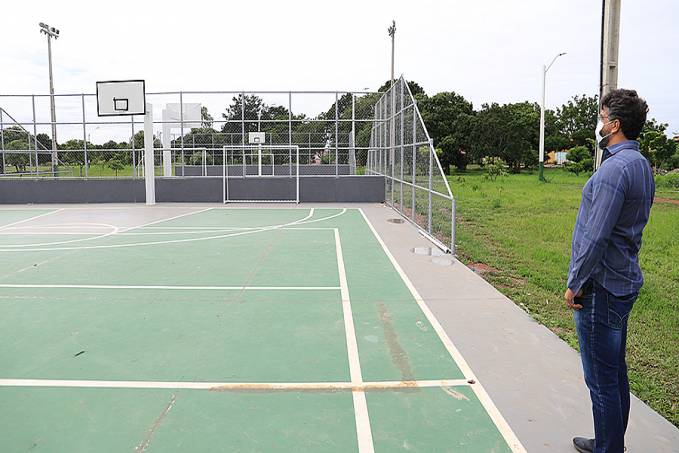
(338,138)
(398,137)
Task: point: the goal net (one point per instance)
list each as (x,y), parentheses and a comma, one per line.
(260,173)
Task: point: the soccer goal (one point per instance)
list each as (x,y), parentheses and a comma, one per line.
(260,173)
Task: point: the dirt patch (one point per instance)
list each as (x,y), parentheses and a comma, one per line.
(481,268)
(666,200)
(154,427)
(398,354)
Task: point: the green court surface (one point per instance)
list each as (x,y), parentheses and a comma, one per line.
(223,329)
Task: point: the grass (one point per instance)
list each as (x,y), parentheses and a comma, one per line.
(522,229)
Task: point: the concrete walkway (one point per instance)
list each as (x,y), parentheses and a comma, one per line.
(533,376)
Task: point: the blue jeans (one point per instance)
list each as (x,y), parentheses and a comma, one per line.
(601,324)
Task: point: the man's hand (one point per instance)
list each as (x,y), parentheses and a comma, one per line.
(569,296)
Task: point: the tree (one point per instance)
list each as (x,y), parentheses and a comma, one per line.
(655,145)
(206,118)
(449,118)
(555,140)
(19,160)
(415,87)
(139,141)
(116,163)
(509,131)
(576,120)
(13,133)
(44,141)
(253,105)
(75,153)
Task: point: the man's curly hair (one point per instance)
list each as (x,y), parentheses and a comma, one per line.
(627,107)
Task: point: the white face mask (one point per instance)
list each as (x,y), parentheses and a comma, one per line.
(601,141)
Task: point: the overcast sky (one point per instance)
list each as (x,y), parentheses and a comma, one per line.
(486,50)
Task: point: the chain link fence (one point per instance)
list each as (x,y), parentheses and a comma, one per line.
(331,129)
(402,151)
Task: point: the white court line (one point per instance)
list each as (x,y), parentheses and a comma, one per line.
(233,386)
(176,241)
(481,394)
(47,233)
(223,230)
(2,227)
(177,287)
(124,229)
(113,230)
(363,431)
(147,233)
(132,206)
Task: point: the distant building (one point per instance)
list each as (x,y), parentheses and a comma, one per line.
(556,158)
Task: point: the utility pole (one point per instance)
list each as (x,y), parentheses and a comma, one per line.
(610,43)
(541,176)
(51,32)
(392,33)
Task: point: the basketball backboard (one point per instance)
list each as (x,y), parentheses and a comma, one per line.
(257,138)
(121,97)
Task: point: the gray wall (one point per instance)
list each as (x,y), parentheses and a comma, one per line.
(191,189)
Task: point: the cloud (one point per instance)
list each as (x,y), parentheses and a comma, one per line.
(485,50)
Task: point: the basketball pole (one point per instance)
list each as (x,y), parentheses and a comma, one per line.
(149,171)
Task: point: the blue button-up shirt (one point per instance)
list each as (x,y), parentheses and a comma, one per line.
(616,202)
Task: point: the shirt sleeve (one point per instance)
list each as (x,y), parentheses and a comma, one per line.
(608,197)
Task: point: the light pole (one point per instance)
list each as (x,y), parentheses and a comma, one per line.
(392,33)
(51,32)
(542,118)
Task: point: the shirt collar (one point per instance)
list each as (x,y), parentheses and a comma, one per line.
(627,144)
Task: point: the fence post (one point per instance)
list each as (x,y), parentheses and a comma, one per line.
(82,98)
(290,134)
(401,148)
(149,157)
(336,133)
(134,152)
(35,140)
(2,141)
(412,214)
(181,124)
(352,137)
(453,234)
(431,170)
(392,137)
(242,119)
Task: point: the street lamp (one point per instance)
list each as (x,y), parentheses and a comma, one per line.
(542,118)
(392,34)
(51,32)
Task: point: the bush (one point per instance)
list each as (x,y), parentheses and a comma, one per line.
(579,160)
(672,162)
(494,167)
(578,154)
(669,181)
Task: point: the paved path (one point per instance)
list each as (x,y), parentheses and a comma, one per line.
(534,377)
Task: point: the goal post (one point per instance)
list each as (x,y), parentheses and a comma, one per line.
(260,173)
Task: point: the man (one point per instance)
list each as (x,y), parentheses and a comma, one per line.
(604,277)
